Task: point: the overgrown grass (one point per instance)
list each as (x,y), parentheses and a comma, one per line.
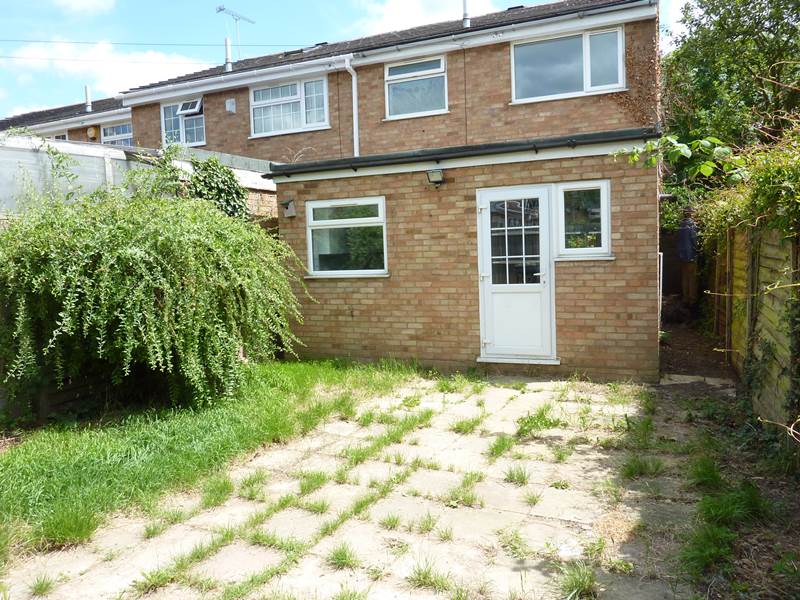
(704,474)
(466,426)
(61,481)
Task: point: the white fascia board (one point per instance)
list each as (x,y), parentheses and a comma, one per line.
(456,163)
(234,80)
(72,148)
(555,26)
(587,19)
(108,116)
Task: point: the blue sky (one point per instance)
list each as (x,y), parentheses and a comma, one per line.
(41,65)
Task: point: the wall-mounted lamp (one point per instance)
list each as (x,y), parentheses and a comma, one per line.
(435,176)
(288,208)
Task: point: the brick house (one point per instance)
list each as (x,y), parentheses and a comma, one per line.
(104,121)
(451,187)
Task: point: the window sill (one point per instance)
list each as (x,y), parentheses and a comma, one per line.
(584,257)
(256,136)
(346,276)
(416,115)
(614,90)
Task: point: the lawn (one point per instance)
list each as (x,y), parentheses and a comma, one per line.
(60,482)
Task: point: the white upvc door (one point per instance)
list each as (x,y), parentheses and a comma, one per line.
(515,280)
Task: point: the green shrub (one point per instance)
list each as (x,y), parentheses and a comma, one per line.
(216,183)
(175,287)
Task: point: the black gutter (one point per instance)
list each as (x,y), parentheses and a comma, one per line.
(439,154)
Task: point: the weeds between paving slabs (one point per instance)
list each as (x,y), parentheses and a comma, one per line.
(61,481)
(341,557)
(743,542)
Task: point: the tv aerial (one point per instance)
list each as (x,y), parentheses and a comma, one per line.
(236,18)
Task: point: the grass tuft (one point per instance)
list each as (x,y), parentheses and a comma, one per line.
(532,424)
(216,490)
(500,445)
(466,426)
(390,521)
(742,505)
(518,475)
(636,466)
(578,580)
(532,498)
(424,575)
(704,474)
(41,585)
(342,557)
(707,546)
(512,542)
(311,481)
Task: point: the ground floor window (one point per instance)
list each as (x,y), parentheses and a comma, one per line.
(346,237)
(584,216)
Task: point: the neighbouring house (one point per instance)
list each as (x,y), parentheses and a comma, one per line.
(451,187)
(104,121)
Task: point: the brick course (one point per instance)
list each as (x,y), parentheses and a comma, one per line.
(427,309)
(479,92)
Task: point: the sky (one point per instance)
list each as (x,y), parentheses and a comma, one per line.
(50,49)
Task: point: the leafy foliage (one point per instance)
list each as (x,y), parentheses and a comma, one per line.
(735,72)
(213,181)
(117,282)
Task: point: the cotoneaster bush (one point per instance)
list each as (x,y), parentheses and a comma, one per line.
(168,284)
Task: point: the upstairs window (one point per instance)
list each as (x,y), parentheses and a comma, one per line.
(416,89)
(568,66)
(289,107)
(184,123)
(117,135)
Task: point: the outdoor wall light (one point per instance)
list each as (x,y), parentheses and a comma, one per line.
(288,208)
(435,176)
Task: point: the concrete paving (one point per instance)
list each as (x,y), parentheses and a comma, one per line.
(432,516)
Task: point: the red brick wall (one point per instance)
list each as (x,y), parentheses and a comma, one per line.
(479,92)
(427,309)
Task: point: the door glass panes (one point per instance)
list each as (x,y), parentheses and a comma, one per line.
(582,219)
(514,229)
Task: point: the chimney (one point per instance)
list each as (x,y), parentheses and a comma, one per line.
(228,60)
(466,22)
(88,95)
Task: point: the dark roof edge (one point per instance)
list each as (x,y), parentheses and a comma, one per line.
(439,154)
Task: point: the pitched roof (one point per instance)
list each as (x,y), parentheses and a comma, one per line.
(511,16)
(62,112)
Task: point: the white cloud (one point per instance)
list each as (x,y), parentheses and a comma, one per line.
(671,11)
(3,94)
(85,6)
(107,70)
(381,16)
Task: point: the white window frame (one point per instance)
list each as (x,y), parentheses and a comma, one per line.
(301,96)
(605,219)
(390,79)
(588,89)
(182,141)
(192,110)
(57,136)
(312,224)
(105,139)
